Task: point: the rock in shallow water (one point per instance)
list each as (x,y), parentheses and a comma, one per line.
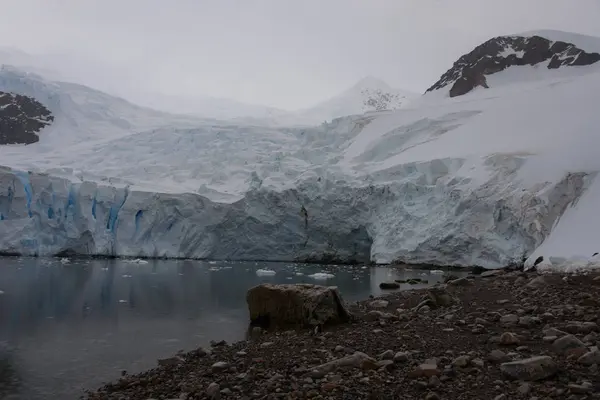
(299,305)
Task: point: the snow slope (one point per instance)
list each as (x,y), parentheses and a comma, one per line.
(367,95)
(487,178)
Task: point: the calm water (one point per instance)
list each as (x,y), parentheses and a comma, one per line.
(69,326)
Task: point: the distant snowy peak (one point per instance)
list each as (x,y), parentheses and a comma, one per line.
(21,119)
(367,95)
(551,49)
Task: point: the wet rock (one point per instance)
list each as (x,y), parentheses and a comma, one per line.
(530,369)
(387,355)
(295,305)
(389,285)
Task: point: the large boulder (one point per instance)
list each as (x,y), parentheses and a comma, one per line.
(299,305)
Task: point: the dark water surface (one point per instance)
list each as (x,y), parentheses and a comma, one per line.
(69,325)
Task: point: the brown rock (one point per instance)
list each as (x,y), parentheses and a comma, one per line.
(297,305)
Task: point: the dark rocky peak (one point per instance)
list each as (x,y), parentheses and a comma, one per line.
(502,52)
(21,119)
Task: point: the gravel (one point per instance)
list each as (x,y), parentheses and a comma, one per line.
(507,335)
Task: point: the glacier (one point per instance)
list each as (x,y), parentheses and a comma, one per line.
(495,177)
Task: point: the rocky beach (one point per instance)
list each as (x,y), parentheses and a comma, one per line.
(502,334)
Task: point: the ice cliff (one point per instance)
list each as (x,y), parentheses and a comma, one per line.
(488,178)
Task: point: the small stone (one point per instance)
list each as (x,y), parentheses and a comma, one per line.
(509,319)
(478,362)
(220,366)
(401,357)
(425,370)
(461,361)
(530,369)
(500,397)
(432,396)
(524,389)
(339,349)
(266,344)
(509,338)
(434,381)
(579,389)
(590,358)
(379,304)
(554,332)
(213,390)
(489,274)
(497,356)
(538,282)
(568,345)
(387,355)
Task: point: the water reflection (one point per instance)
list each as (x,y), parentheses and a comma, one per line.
(69,325)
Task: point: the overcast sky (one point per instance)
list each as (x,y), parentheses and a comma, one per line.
(288,54)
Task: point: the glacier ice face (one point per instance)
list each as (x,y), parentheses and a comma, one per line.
(485,179)
(425,218)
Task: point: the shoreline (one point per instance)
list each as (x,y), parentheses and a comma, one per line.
(475,269)
(412,350)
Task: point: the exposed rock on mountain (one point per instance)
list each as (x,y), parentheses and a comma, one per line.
(21,119)
(501,52)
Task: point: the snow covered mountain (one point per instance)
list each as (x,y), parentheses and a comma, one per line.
(368,95)
(548,50)
(485,178)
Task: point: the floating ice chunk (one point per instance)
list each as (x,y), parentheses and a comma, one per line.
(126,276)
(122,301)
(136,261)
(265,272)
(321,276)
(65,260)
(1,292)
(436,272)
(299,273)
(214,269)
